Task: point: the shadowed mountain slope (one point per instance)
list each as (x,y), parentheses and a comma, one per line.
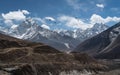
(102,44)
(112,51)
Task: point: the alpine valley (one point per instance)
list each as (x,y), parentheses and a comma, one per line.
(30,49)
(60,37)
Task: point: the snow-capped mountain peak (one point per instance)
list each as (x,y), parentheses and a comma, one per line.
(29,29)
(83,34)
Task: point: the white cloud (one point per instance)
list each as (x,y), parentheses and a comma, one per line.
(85,6)
(98,19)
(74,4)
(100,5)
(73,22)
(8,22)
(25,12)
(15,15)
(49,18)
(115,9)
(45,26)
(44,20)
(39,19)
(79,23)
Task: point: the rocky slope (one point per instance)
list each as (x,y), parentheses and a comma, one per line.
(18,57)
(103,45)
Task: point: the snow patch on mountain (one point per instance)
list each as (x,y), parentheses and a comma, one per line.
(114,33)
(67,45)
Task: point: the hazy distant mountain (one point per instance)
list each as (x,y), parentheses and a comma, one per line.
(103,45)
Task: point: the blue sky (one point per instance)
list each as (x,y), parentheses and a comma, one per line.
(65,11)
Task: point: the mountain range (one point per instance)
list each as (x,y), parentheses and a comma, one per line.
(64,40)
(98,41)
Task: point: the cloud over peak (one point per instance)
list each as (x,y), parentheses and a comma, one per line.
(73,22)
(84,24)
(45,26)
(98,19)
(15,15)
